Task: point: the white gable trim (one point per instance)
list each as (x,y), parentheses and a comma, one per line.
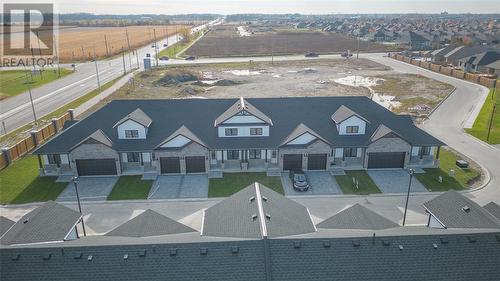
(305,138)
(243,119)
(178,141)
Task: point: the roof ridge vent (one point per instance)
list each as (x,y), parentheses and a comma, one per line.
(242,103)
(252,198)
(466,209)
(254,217)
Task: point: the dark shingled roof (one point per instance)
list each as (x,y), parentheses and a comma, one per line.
(98,136)
(183,131)
(198,115)
(254,212)
(137,116)
(47,223)
(5,224)
(149,223)
(454,210)
(299,131)
(343,113)
(357,217)
(493,208)
(444,257)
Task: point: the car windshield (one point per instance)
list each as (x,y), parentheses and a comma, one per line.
(300,177)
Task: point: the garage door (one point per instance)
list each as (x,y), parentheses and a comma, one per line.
(170,165)
(195,164)
(96,167)
(292,162)
(380,160)
(316,162)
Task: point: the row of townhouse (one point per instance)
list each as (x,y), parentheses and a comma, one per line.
(235,135)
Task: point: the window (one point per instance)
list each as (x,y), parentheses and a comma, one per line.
(254,153)
(131,134)
(133,157)
(352,129)
(233,155)
(273,154)
(54,159)
(256,131)
(231,131)
(350,152)
(213,155)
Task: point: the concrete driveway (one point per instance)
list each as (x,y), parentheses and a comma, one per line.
(89,189)
(180,186)
(321,183)
(395,181)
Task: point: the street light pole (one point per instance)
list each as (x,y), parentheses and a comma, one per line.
(97,71)
(75,181)
(410,172)
(31,97)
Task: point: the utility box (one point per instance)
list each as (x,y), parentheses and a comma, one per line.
(147,63)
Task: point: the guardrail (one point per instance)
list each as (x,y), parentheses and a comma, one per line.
(36,138)
(457,73)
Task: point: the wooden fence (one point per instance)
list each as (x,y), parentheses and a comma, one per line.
(475,78)
(37,137)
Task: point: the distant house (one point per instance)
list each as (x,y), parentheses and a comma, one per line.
(462,52)
(413,41)
(486,62)
(380,35)
(437,56)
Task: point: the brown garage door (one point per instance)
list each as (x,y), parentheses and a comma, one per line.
(170,165)
(316,162)
(292,162)
(96,167)
(195,164)
(383,160)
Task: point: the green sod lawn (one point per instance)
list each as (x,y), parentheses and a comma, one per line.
(130,187)
(20,183)
(482,123)
(234,182)
(461,180)
(13,82)
(365,186)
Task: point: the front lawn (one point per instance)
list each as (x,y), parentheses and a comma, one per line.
(462,179)
(483,120)
(234,182)
(14,82)
(365,183)
(129,188)
(20,183)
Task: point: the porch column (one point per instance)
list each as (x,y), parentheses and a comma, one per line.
(40,165)
(437,153)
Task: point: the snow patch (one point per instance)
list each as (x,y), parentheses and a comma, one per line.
(243,72)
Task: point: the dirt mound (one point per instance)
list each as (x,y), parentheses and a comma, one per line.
(177,77)
(307,71)
(222,82)
(190,91)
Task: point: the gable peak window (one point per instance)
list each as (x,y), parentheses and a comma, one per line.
(131,134)
(231,131)
(256,131)
(352,129)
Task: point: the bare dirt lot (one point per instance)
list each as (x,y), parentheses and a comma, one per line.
(335,77)
(77,43)
(228,40)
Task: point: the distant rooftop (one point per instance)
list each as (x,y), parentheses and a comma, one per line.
(357,217)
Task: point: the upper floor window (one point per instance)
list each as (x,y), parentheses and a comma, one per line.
(350,152)
(131,134)
(231,131)
(352,129)
(256,131)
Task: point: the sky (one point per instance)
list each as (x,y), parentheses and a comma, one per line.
(272,6)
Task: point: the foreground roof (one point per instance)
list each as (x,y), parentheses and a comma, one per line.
(357,217)
(47,223)
(493,208)
(470,256)
(198,115)
(149,223)
(256,212)
(454,210)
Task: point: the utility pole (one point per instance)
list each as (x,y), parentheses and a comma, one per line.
(123,59)
(106,44)
(357,52)
(410,172)
(97,71)
(156,46)
(31,97)
(40,52)
(129,54)
(83,54)
(491,122)
(137,57)
(57,56)
(75,183)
